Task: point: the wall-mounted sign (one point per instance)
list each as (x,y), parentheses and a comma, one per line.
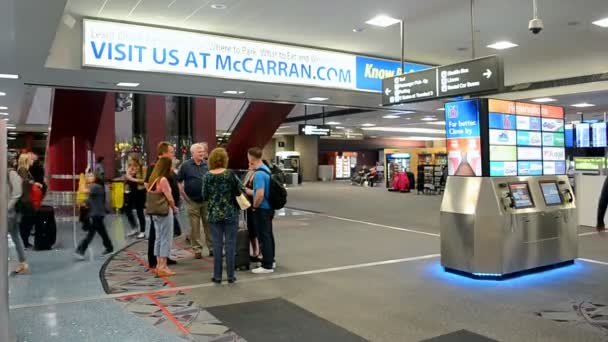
(316,130)
(123,46)
(476,76)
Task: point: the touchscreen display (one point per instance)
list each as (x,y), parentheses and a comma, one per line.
(551,193)
(521,195)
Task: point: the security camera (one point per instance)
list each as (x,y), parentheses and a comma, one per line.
(536,25)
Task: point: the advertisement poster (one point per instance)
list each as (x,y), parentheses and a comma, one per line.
(528,123)
(529,138)
(503,153)
(464,157)
(553,139)
(554,168)
(552,112)
(554,153)
(598,134)
(462,119)
(501,169)
(502,121)
(553,125)
(530,168)
(503,137)
(529,153)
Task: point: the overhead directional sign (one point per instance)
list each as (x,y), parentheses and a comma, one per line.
(316,130)
(476,76)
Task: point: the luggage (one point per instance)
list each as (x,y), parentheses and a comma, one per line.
(46,228)
(242,250)
(404,183)
(395,183)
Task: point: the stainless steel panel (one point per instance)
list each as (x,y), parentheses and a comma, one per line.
(464,195)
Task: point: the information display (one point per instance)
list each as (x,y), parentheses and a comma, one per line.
(503,121)
(598,134)
(528,123)
(589,163)
(503,137)
(529,153)
(554,168)
(520,193)
(569,135)
(553,139)
(502,169)
(503,153)
(582,135)
(530,168)
(463,138)
(551,193)
(525,138)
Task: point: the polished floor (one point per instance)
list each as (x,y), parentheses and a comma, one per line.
(361,260)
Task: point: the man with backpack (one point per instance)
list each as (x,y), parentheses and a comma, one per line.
(268,195)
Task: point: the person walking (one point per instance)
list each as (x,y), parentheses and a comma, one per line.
(262,212)
(161,206)
(15,184)
(163,150)
(96,203)
(190,178)
(136,198)
(220,189)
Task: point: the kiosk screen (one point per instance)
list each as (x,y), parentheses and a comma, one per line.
(551,193)
(520,193)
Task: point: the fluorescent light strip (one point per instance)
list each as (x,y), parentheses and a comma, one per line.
(368,125)
(3,108)
(9,76)
(391,117)
(333,123)
(502,45)
(544,100)
(583,105)
(2,94)
(127,84)
(4,114)
(406,130)
(437,123)
(382,21)
(234,92)
(428,119)
(318,99)
(601,22)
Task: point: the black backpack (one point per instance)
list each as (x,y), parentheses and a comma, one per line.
(278,194)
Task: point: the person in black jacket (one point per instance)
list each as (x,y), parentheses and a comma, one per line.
(164,149)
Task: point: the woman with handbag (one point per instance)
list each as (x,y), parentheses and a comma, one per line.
(222,189)
(29,203)
(160,205)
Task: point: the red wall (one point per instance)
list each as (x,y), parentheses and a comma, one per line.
(204,121)
(106,136)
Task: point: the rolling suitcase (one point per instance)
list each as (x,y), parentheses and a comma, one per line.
(46,228)
(404,184)
(242,250)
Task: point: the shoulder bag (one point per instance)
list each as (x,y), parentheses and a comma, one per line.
(240,197)
(156,202)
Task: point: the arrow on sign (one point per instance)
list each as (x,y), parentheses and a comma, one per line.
(387,91)
(488,73)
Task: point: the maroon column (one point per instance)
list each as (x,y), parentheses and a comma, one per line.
(204,121)
(106,136)
(156,122)
(255,129)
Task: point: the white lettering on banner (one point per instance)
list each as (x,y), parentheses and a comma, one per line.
(143,48)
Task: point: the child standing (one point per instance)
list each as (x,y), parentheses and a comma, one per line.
(96,204)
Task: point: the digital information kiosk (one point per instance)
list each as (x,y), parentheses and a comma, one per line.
(525,218)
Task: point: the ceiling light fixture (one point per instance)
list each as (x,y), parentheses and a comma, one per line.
(382,21)
(502,45)
(3,108)
(583,105)
(218,6)
(4,114)
(318,99)
(391,117)
(441,109)
(601,22)
(2,94)
(9,76)
(332,123)
(419,138)
(368,125)
(339,127)
(544,100)
(357,30)
(127,84)
(406,130)
(283,127)
(428,118)
(234,92)
(438,123)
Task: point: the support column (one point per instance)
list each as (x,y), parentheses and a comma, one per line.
(204,121)
(308,147)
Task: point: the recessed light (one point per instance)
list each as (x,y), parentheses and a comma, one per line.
(382,21)
(391,117)
(357,30)
(368,125)
(441,109)
(429,119)
(544,100)
(502,45)
(9,76)
(438,123)
(127,84)
(218,6)
(3,108)
(583,105)
(2,94)
(601,22)
(318,99)
(332,123)
(234,92)
(339,127)
(4,114)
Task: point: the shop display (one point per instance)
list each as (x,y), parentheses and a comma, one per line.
(343,167)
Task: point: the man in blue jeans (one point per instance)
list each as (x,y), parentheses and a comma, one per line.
(262,213)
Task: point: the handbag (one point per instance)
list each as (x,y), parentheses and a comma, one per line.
(156,202)
(241,199)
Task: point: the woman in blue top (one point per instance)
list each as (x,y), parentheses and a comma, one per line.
(220,187)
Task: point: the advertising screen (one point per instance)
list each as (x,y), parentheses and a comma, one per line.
(553,125)
(525,138)
(502,121)
(553,139)
(551,193)
(464,157)
(503,153)
(501,106)
(554,168)
(503,137)
(528,123)
(529,153)
(582,135)
(501,169)
(530,168)
(589,163)
(598,134)
(554,153)
(552,112)
(569,136)
(520,192)
(527,109)
(462,119)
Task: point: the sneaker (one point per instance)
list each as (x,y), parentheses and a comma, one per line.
(217,281)
(231,280)
(79,256)
(107,252)
(261,270)
(141,235)
(132,233)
